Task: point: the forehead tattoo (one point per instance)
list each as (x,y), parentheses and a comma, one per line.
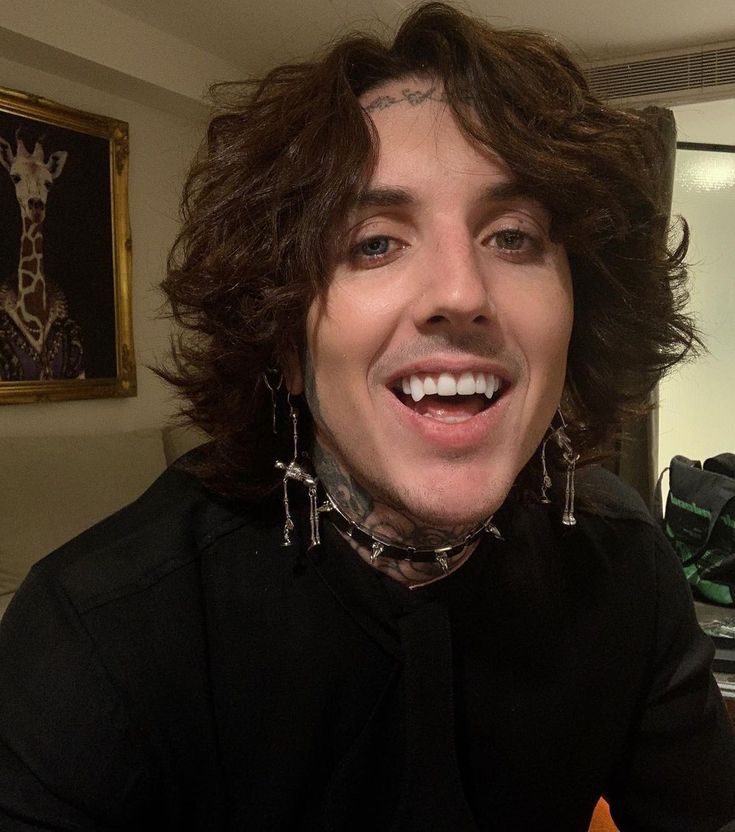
(415,97)
(409,96)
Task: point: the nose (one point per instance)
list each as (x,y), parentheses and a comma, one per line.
(35,204)
(456,290)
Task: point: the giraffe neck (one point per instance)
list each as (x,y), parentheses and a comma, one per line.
(32,307)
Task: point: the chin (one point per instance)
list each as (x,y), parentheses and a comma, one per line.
(465,503)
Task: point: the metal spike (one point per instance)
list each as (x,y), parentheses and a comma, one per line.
(377,551)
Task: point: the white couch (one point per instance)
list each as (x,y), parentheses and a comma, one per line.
(54,487)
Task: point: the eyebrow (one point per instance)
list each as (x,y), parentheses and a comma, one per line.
(393,197)
(383,198)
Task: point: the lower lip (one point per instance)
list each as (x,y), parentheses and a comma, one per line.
(463,435)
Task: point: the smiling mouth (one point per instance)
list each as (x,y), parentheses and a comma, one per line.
(448,397)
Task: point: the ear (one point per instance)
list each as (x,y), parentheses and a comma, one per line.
(56,162)
(293,374)
(6,154)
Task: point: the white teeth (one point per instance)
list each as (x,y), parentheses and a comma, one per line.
(466,385)
(417,389)
(446,384)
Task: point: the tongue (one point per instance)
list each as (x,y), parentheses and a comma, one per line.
(450,408)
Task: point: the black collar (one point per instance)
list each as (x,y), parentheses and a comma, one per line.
(381,548)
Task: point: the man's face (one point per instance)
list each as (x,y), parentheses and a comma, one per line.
(447,282)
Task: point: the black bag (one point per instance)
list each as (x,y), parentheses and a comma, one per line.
(700,523)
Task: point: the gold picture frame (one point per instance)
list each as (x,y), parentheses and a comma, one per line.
(66,327)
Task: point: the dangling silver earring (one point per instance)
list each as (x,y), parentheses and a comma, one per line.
(293,471)
(570,458)
(545,478)
(274,388)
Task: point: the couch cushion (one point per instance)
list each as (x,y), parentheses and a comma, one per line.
(54,487)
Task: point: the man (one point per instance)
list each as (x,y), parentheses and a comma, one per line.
(419,283)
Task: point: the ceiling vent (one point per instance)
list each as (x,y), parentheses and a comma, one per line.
(694,71)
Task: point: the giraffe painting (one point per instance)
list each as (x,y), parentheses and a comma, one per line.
(38,338)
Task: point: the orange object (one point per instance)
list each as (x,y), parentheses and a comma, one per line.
(601,820)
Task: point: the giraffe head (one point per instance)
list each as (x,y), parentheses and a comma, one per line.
(32,176)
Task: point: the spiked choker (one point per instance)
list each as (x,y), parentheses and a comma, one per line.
(380,548)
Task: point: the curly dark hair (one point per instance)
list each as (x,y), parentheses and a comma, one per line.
(286,156)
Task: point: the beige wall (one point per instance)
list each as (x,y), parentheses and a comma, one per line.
(119,48)
(697,401)
(161,146)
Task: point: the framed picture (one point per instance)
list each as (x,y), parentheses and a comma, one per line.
(65,277)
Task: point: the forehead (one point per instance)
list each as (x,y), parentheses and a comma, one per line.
(421,146)
(411,91)
(30,166)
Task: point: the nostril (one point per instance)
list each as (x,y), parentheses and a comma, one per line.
(442,319)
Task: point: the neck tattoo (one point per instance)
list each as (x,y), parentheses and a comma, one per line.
(374,530)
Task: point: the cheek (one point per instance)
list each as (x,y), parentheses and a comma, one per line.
(333,359)
(555,330)
(349,331)
(542,325)
(554,316)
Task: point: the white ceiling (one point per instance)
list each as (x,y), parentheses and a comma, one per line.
(255,34)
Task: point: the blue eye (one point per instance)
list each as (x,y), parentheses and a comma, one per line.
(512,239)
(374,252)
(374,247)
(513,242)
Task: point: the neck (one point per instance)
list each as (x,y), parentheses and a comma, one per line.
(31,242)
(32,302)
(390,525)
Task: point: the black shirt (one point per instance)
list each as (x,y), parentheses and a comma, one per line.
(176,668)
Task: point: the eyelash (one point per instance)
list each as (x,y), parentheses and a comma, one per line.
(529,245)
(358,253)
